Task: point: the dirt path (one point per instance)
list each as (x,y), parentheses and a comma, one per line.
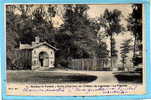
(102,76)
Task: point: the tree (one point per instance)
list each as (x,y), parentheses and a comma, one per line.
(23,24)
(114,51)
(24,9)
(135,26)
(71,38)
(125,48)
(77,37)
(42,23)
(111,23)
(101,51)
(77,25)
(12,35)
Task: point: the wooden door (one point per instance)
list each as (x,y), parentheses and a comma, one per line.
(46,62)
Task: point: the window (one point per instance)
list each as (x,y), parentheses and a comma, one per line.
(52,62)
(34,62)
(34,52)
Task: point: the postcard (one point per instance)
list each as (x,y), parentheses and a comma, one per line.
(75,49)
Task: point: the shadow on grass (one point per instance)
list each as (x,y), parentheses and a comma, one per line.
(129,77)
(48,77)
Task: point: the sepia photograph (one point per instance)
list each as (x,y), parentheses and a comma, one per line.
(75,49)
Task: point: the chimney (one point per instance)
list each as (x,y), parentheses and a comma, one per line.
(20,45)
(37,39)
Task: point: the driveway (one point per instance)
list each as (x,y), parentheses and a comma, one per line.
(57,76)
(102,76)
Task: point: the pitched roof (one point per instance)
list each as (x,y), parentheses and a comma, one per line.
(44,43)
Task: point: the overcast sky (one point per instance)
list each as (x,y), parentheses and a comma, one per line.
(96,10)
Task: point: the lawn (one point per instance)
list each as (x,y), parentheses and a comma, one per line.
(133,77)
(47,77)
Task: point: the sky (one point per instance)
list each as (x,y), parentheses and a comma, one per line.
(96,10)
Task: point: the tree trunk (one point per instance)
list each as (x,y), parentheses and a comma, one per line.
(134,51)
(111,38)
(123,63)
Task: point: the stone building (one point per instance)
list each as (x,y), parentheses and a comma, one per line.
(42,54)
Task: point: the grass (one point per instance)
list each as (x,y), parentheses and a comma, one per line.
(133,77)
(47,77)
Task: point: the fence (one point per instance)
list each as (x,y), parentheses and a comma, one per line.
(21,59)
(95,64)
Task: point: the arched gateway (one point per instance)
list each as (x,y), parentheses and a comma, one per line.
(44,59)
(40,54)
(43,56)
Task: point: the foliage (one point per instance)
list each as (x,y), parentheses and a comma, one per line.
(12,35)
(75,38)
(111,23)
(135,26)
(77,35)
(113,50)
(42,24)
(125,48)
(135,21)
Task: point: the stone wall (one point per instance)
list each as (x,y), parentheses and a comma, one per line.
(35,56)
